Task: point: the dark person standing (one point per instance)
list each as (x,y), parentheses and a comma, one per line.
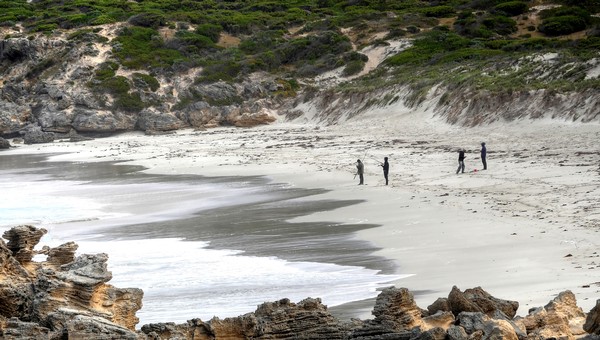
(483,155)
(386,169)
(360,170)
(461,161)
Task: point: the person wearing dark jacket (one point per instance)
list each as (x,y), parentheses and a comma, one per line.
(386,169)
(483,155)
(360,170)
(461,161)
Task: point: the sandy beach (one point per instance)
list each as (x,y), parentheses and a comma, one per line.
(525,229)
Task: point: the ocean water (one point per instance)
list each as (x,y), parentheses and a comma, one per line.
(199,247)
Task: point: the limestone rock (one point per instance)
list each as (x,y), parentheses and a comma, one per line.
(64,296)
(499,330)
(441,304)
(15,329)
(440,319)
(592,322)
(249,119)
(565,306)
(22,240)
(457,333)
(13,117)
(4,144)
(86,327)
(34,135)
(435,333)
(396,309)
(52,120)
(478,300)
(472,321)
(156,121)
(102,121)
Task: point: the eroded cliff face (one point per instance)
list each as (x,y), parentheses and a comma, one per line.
(51,87)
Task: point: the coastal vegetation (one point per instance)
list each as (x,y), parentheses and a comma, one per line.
(472,46)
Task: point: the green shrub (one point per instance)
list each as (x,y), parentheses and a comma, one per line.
(213,32)
(430,48)
(562,25)
(225,70)
(141,47)
(45,28)
(106,70)
(129,102)
(117,85)
(40,67)
(439,11)
(103,20)
(500,24)
(145,81)
(512,8)
(592,6)
(150,20)
(190,42)
(353,67)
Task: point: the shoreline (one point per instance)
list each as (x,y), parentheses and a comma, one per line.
(509,230)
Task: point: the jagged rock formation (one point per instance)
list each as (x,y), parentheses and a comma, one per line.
(63,296)
(67,297)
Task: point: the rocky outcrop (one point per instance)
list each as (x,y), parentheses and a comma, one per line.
(478,300)
(592,322)
(150,120)
(68,296)
(4,144)
(102,121)
(13,117)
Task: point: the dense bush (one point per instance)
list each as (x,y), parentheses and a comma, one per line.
(225,70)
(512,8)
(106,70)
(213,32)
(430,47)
(353,67)
(145,82)
(564,20)
(140,47)
(484,25)
(592,6)
(500,24)
(439,11)
(151,20)
(562,25)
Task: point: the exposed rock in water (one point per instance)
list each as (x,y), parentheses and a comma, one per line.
(68,297)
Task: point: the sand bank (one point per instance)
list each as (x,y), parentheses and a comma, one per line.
(526,229)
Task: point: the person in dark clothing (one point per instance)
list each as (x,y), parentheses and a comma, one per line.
(360,170)
(483,155)
(461,161)
(386,169)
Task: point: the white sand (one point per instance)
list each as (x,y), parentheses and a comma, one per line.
(526,229)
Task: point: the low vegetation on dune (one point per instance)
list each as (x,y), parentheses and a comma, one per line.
(484,44)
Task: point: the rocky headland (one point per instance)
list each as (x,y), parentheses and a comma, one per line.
(68,297)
